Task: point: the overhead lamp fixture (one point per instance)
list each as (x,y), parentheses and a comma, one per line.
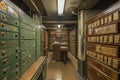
(58,26)
(61,4)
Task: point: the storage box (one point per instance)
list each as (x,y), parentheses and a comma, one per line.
(116,64)
(116,15)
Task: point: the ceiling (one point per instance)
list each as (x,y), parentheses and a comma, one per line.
(48,9)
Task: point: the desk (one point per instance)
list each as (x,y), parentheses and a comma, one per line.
(59,51)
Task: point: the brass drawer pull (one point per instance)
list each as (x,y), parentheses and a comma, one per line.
(16,72)
(3,34)
(16,56)
(5,61)
(4,17)
(16,22)
(3,25)
(5,71)
(16,65)
(17,78)
(3,52)
(3,43)
(16,35)
(16,50)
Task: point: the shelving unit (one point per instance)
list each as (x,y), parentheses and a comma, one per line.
(60,35)
(102,51)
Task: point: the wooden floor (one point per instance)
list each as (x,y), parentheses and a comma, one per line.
(57,70)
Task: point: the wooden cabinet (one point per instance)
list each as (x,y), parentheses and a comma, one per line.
(56,51)
(102,46)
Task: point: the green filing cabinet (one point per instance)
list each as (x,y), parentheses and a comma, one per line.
(20,42)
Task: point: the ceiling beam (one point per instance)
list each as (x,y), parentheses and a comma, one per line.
(60,22)
(38,4)
(59,18)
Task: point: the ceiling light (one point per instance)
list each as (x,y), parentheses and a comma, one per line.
(58,26)
(61,4)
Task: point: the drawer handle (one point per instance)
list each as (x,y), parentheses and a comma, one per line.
(16,35)
(5,61)
(3,25)
(3,34)
(3,52)
(16,56)
(4,17)
(16,22)
(5,79)
(5,71)
(3,43)
(16,72)
(17,78)
(16,65)
(16,50)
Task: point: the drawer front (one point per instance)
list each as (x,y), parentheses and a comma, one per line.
(27,36)
(8,43)
(25,26)
(9,60)
(8,51)
(24,43)
(7,19)
(7,70)
(16,75)
(7,27)
(8,35)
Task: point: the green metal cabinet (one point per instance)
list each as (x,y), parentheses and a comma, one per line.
(20,42)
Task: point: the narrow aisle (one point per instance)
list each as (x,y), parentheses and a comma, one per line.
(57,70)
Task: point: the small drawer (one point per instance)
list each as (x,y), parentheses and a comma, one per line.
(105,59)
(102,21)
(8,51)
(116,64)
(117,38)
(9,60)
(110,19)
(106,20)
(8,72)
(105,39)
(116,16)
(110,39)
(3,35)
(8,43)
(109,62)
(3,17)
(3,26)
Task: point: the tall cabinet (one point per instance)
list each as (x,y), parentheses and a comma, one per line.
(103,45)
(20,41)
